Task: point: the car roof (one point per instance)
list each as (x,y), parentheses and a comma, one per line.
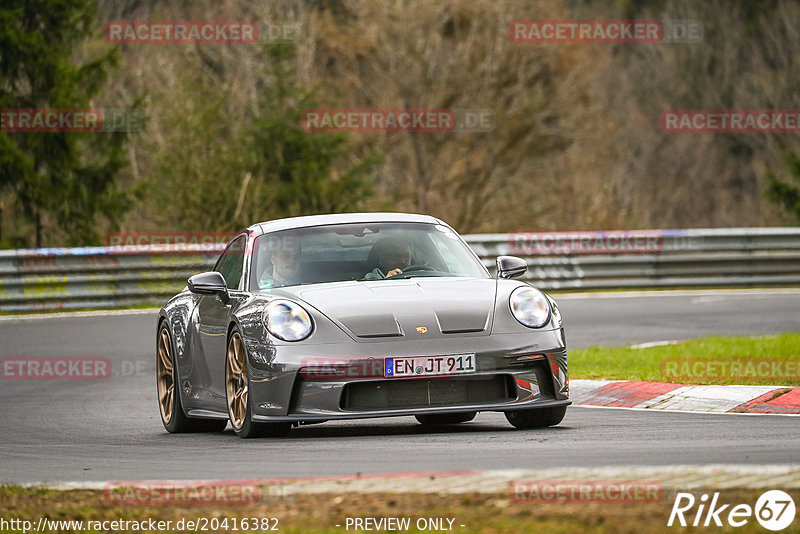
(340,218)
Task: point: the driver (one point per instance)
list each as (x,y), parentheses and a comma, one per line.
(394,255)
(285,260)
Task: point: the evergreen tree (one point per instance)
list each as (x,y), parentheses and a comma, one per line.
(221,171)
(297,172)
(60,182)
(785,193)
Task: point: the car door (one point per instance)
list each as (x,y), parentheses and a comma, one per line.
(214,315)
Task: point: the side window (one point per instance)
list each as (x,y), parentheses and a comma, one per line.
(231,264)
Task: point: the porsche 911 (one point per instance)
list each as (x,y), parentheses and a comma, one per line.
(333,317)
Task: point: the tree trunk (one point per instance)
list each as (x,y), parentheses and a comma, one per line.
(38,230)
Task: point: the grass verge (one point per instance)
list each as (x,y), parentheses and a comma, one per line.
(320,513)
(764,360)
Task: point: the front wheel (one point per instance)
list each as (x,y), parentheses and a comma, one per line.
(537,417)
(169,398)
(238,398)
(445,418)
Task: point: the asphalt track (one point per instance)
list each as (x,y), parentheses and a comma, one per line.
(63,431)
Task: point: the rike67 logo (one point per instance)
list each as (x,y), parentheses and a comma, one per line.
(774,510)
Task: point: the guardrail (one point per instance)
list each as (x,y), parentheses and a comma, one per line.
(101,277)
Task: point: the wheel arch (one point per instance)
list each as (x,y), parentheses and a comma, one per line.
(164,318)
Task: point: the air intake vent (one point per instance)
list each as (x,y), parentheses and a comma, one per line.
(415,393)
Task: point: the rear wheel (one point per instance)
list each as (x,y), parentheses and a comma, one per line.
(237,393)
(169,398)
(536,418)
(445,418)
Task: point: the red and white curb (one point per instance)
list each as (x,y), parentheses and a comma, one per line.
(682,397)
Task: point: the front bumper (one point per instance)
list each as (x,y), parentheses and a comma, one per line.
(327,382)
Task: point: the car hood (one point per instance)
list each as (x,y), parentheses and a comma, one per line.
(421,308)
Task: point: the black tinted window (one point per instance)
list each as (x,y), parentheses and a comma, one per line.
(231,264)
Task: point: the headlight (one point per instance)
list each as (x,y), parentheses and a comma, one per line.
(529,306)
(287,321)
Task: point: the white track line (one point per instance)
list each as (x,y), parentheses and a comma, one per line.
(717,476)
(656,410)
(676,293)
(61,315)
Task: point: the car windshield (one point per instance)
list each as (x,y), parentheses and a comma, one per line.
(369,251)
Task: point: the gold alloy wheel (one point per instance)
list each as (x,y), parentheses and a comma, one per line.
(166,382)
(236,381)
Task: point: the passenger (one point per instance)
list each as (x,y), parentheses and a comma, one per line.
(285,260)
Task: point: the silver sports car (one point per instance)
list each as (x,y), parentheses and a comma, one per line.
(328,317)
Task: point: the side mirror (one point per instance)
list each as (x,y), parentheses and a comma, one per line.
(210,283)
(510,266)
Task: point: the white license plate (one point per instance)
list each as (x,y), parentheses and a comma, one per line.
(455,364)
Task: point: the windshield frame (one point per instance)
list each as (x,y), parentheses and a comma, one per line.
(253,276)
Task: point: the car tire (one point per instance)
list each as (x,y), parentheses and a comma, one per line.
(434,419)
(169,398)
(536,418)
(237,396)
